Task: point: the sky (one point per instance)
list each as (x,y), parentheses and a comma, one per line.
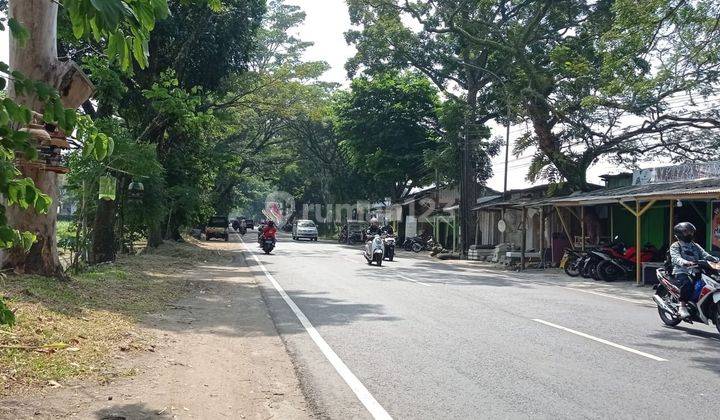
(325,25)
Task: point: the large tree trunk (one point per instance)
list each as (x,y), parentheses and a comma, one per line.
(103,236)
(38,61)
(574,171)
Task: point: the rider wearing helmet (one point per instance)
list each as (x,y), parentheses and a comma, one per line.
(374,228)
(685,253)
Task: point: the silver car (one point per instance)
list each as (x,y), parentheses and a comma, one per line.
(304,229)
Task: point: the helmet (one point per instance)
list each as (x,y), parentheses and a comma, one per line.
(374,221)
(270,223)
(684,231)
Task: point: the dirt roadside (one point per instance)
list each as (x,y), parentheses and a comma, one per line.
(215,355)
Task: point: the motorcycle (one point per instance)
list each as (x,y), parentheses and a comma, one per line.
(596,256)
(343,235)
(268,245)
(705,304)
(573,262)
(389,243)
(418,244)
(374,250)
(620,264)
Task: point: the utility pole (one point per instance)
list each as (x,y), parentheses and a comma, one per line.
(507,160)
(465,201)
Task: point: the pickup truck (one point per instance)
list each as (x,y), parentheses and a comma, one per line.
(217,227)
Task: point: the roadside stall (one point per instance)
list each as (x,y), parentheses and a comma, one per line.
(657,199)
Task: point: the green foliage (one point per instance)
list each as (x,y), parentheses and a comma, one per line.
(125,26)
(7,317)
(387,123)
(19,191)
(579,71)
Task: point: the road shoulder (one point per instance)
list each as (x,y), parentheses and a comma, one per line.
(216,354)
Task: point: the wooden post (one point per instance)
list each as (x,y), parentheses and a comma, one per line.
(524,238)
(708,226)
(671,206)
(542,237)
(565,228)
(582,227)
(477,229)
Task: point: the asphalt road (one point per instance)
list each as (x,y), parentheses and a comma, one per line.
(436,340)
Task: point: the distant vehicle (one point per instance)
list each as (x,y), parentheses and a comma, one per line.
(217,227)
(304,229)
(249,224)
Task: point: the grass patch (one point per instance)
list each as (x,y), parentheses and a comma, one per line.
(68,329)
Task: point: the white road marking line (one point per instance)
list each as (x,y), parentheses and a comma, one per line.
(370,403)
(600,340)
(636,301)
(413,280)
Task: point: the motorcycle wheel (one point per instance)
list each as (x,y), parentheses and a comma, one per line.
(607,271)
(670,320)
(416,247)
(587,270)
(407,246)
(572,269)
(379,261)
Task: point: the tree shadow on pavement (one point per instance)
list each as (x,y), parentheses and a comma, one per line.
(228,301)
(692,341)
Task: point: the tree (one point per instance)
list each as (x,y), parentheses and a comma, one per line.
(598,79)
(172,104)
(426,36)
(594,78)
(33,54)
(386,125)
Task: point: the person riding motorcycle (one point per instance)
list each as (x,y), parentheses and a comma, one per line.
(374,228)
(269,231)
(388,229)
(685,253)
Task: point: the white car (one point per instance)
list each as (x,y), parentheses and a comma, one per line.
(304,229)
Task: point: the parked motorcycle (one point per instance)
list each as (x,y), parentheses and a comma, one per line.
(389,242)
(573,262)
(620,264)
(343,235)
(596,256)
(705,305)
(374,250)
(418,244)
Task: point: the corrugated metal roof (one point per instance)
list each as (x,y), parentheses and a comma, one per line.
(700,188)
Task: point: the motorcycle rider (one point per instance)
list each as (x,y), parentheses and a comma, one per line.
(269,231)
(388,229)
(685,253)
(374,228)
